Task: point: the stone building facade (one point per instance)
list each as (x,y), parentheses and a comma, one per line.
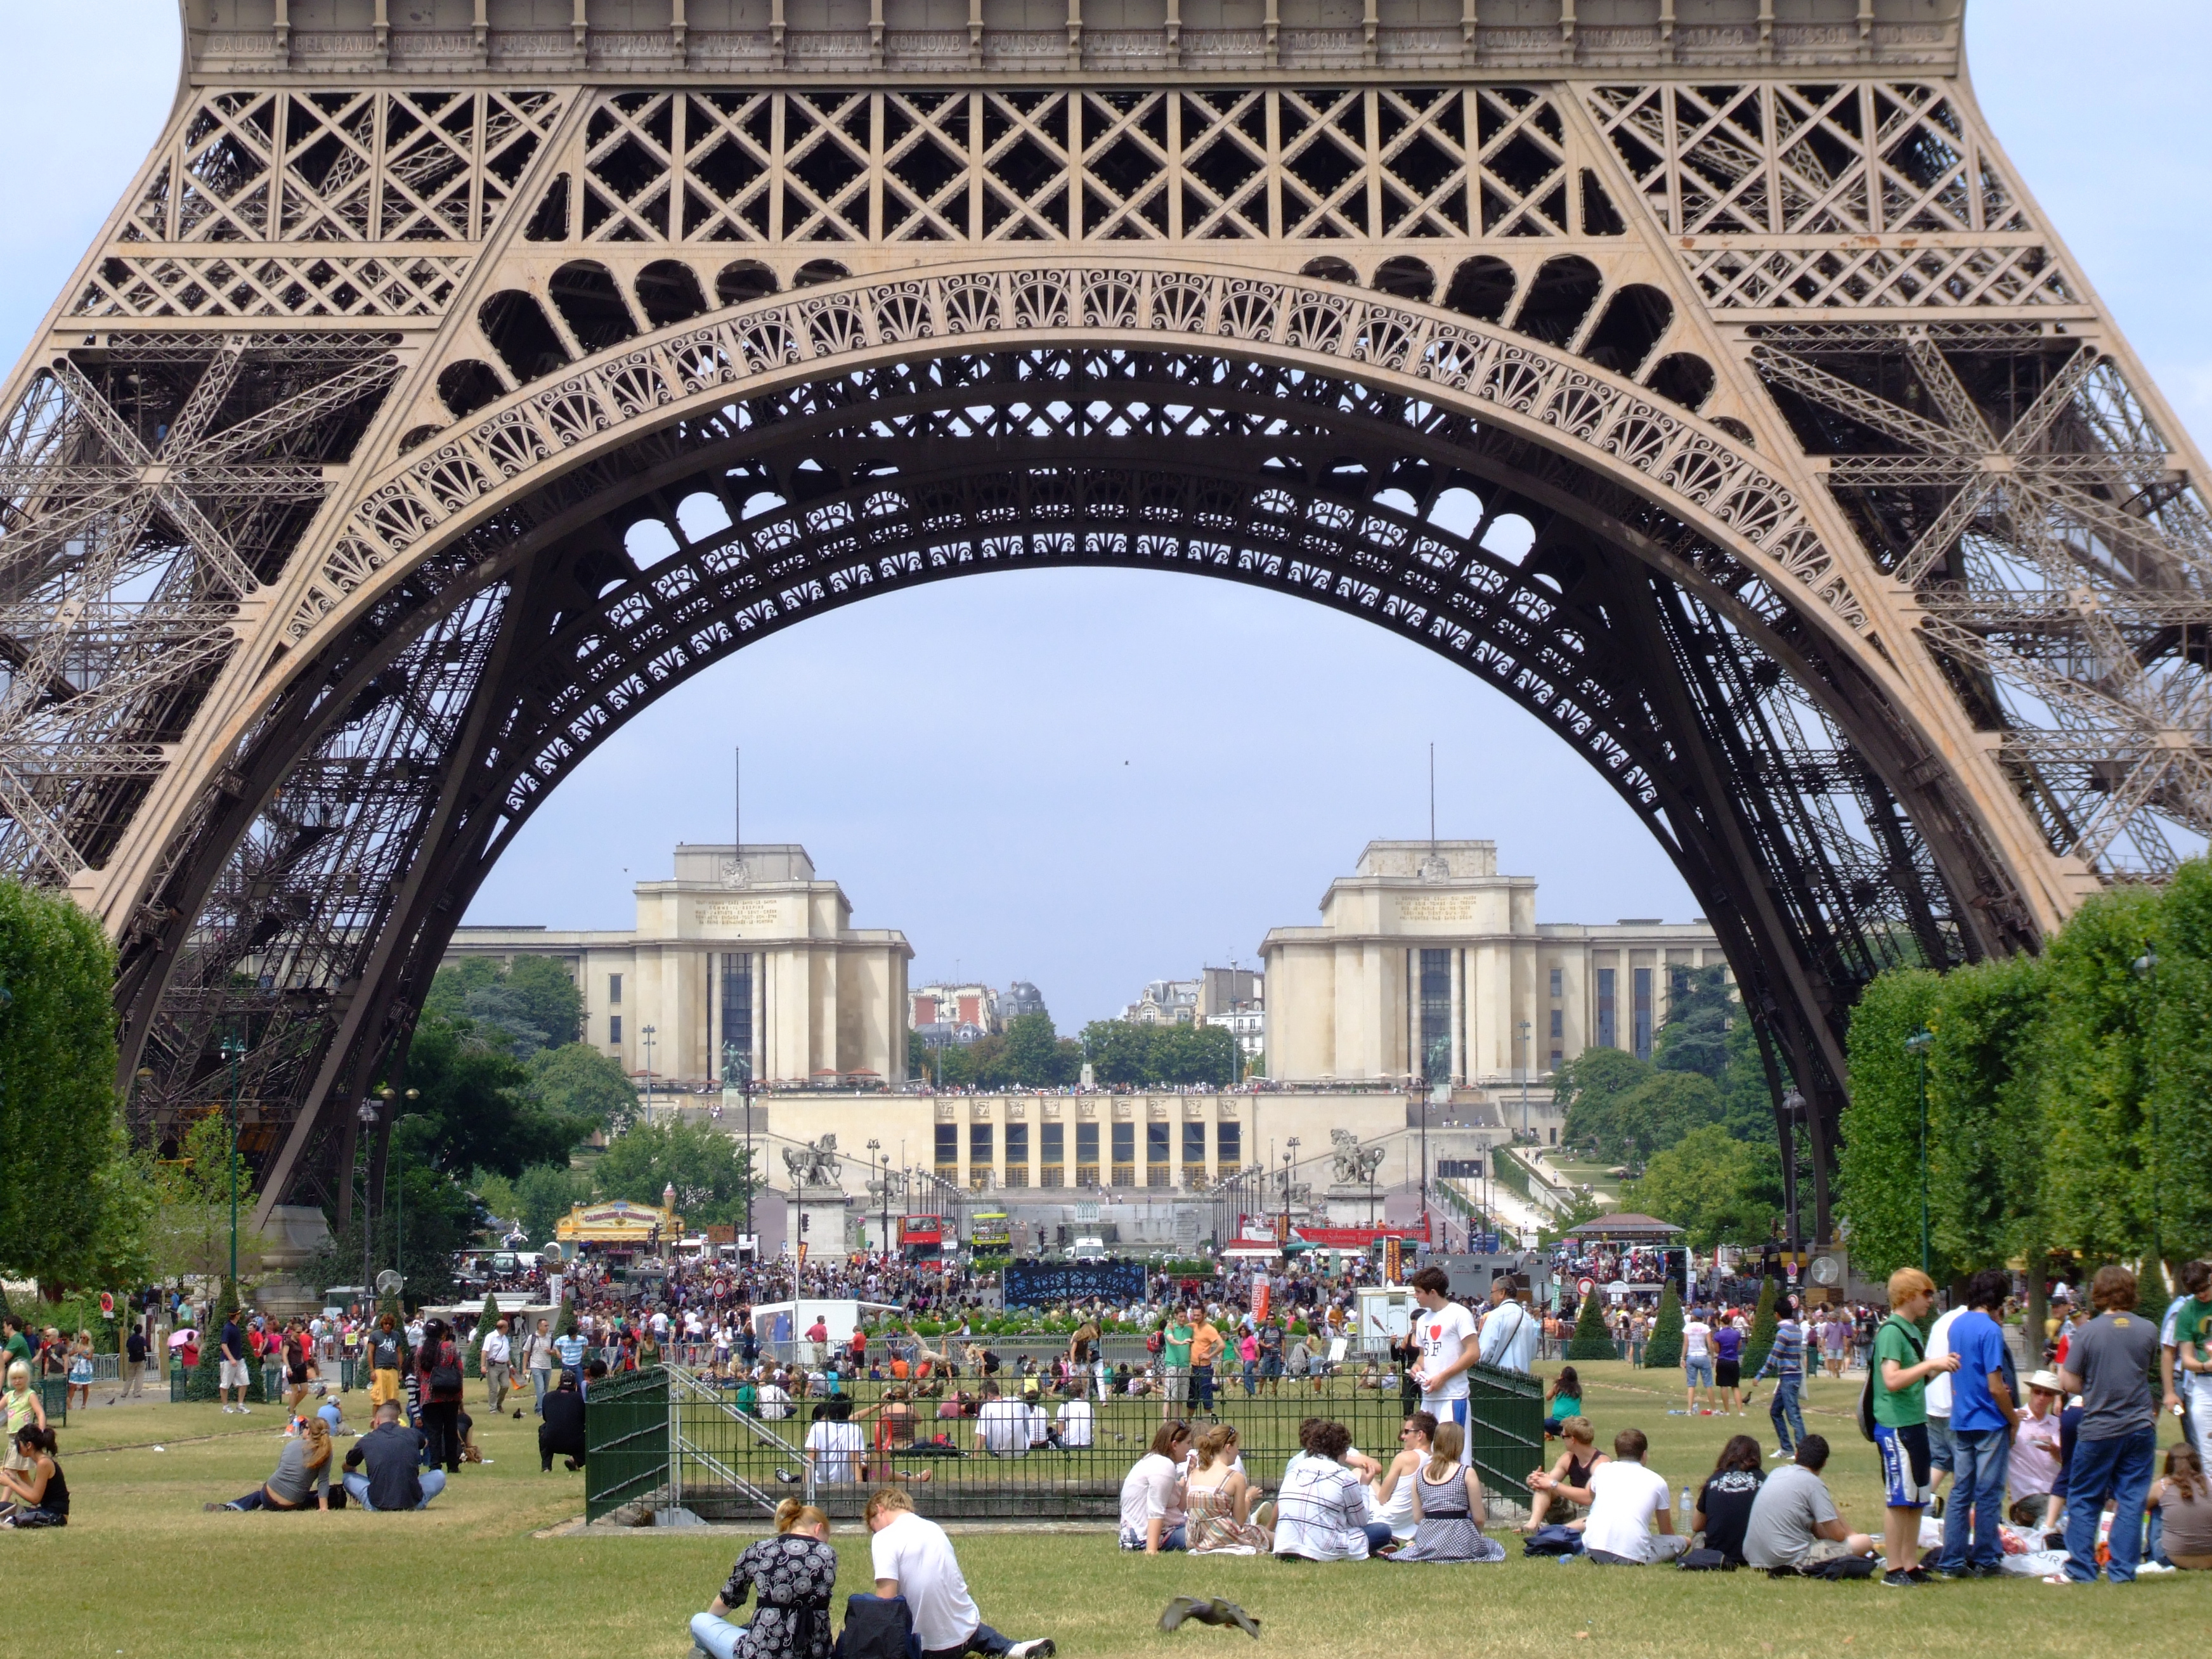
(756,951)
(1429,964)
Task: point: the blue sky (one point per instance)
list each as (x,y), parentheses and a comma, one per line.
(1093,778)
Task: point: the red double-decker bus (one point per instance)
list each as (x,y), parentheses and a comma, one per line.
(921,1238)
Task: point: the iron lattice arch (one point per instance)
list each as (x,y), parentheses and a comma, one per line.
(446,386)
(1738,735)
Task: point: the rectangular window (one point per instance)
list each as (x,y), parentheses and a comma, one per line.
(1559,981)
(1018,1144)
(979,1145)
(737,1055)
(1559,1023)
(1125,1143)
(614,989)
(948,1147)
(1155,1143)
(1051,1139)
(1555,1134)
(1193,1147)
(1607,1036)
(1229,1146)
(1435,1016)
(614,1030)
(1086,1143)
(1642,1013)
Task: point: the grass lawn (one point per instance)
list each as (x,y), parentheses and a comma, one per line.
(142,1570)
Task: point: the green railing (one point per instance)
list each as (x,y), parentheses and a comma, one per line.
(626,1440)
(1505,1419)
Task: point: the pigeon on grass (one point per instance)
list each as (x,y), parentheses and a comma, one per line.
(1209,1610)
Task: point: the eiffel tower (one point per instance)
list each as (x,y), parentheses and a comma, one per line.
(458,376)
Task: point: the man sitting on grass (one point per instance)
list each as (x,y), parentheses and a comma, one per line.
(396,1478)
(1625,1498)
(1794,1525)
(913,1557)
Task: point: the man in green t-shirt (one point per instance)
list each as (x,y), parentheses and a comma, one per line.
(1175,1361)
(2191,1320)
(1899,1388)
(17,1347)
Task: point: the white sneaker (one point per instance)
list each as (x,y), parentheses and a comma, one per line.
(1042,1648)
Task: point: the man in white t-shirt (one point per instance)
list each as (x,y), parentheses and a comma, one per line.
(1075,1416)
(1698,1363)
(1445,1334)
(1002,1426)
(775,1401)
(913,1557)
(1939,1446)
(835,1445)
(1625,1498)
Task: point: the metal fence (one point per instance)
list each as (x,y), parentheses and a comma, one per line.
(1505,1425)
(627,1425)
(1061,1459)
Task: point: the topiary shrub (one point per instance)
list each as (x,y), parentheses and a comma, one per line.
(1591,1340)
(1756,1345)
(1662,1350)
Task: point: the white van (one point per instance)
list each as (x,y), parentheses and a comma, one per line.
(1089,1247)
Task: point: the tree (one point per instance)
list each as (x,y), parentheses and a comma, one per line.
(533,1001)
(188,1236)
(61,1130)
(544,1192)
(1663,1350)
(706,1167)
(1591,1340)
(1124,1052)
(575,1081)
(1708,1183)
(476,1110)
(1625,1107)
(1878,1172)
(1701,1011)
(1038,1056)
(1764,1324)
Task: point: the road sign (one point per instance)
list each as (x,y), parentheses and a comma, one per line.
(1584,1286)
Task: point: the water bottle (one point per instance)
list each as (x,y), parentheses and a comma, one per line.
(1682,1516)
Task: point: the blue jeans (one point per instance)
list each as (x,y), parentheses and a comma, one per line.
(1201,1387)
(1979,1458)
(983,1639)
(1378,1535)
(542,1383)
(1785,1404)
(2119,1468)
(1172,1539)
(433,1482)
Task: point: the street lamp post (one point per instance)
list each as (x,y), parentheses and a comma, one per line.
(883,1177)
(2146,967)
(1527,1065)
(1918,1045)
(1290,1162)
(366,1115)
(646,1033)
(233,1050)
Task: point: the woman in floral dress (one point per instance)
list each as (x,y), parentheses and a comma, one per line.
(1220,1497)
(794,1574)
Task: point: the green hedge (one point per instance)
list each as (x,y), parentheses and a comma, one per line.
(1591,1340)
(1662,1350)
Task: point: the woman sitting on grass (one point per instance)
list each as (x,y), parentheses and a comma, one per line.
(1567,1483)
(304,1460)
(2183,1506)
(39,1490)
(1219,1500)
(1448,1513)
(793,1574)
(1566,1402)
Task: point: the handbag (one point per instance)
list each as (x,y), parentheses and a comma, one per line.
(1703,1561)
(1548,1539)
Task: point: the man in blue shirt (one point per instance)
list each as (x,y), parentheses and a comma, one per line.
(1983,1414)
(570,1348)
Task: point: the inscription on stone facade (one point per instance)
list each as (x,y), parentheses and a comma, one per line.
(1438,908)
(733,913)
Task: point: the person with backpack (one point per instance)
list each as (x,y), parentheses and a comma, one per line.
(1893,1414)
(793,1574)
(438,1367)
